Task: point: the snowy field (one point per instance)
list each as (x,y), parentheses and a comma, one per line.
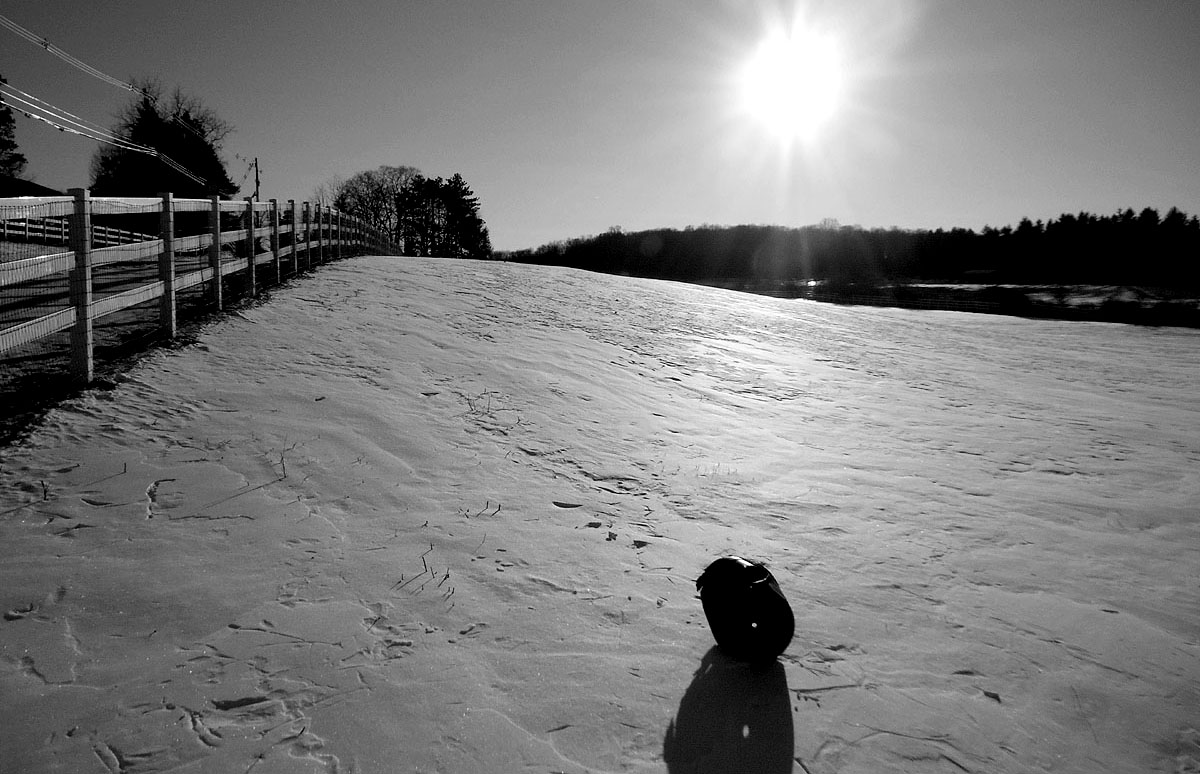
(432,516)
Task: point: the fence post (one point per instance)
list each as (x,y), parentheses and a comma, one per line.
(295,237)
(82,364)
(340,236)
(214,254)
(320,241)
(166,264)
(314,234)
(275,240)
(307,223)
(251,247)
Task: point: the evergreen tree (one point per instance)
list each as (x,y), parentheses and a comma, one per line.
(181,129)
(466,234)
(419,206)
(409,232)
(12,161)
(441,217)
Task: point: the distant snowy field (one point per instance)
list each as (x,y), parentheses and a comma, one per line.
(434,516)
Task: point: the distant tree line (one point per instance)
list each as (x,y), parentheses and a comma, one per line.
(426,216)
(1126,248)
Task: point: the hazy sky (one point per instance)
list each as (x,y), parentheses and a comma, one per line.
(568,117)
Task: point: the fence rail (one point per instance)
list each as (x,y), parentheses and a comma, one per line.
(151,249)
(56,231)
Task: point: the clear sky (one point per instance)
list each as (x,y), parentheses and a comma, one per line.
(568,117)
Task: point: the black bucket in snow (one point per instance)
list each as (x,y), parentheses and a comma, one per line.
(748,614)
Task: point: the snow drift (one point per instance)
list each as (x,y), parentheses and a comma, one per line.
(422,515)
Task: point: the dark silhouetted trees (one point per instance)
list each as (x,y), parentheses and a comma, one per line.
(371,195)
(441,217)
(428,216)
(1126,248)
(181,129)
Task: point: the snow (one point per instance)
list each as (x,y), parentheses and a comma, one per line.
(423,515)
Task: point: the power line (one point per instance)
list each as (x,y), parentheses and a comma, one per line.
(63,55)
(31,111)
(57,113)
(63,121)
(87,68)
(86,128)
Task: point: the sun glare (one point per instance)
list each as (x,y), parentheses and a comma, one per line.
(793,83)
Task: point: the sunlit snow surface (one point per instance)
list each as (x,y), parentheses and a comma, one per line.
(423,515)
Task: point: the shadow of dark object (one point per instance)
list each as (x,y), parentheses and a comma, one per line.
(733,718)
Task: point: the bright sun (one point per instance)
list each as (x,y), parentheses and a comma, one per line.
(793,83)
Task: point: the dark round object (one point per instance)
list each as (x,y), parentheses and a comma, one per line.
(749,616)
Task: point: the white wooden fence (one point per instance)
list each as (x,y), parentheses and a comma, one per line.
(297,237)
(57,231)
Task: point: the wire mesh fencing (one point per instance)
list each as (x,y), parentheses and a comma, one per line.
(88,282)
(35,256)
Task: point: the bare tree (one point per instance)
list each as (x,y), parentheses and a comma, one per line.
(371,195)
(325,193)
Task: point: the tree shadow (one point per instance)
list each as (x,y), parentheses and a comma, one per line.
(733,718)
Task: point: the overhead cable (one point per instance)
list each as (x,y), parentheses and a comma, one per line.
(64,116)
(87,68)
(59,123)
(59,119)
(63,55)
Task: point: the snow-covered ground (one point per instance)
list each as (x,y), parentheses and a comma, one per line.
(421,515)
